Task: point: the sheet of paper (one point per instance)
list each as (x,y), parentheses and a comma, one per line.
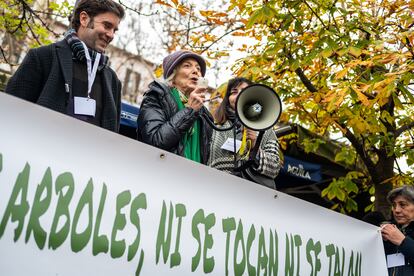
(229,145)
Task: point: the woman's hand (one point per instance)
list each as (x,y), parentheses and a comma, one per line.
(391,233)
(196,98)
(251,135)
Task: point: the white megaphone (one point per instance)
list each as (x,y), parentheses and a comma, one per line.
(258,107)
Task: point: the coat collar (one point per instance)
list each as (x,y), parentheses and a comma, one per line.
(64,54)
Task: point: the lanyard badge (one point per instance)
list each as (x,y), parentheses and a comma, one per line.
(87,106)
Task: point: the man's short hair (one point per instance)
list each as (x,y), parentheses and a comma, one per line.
(95,7)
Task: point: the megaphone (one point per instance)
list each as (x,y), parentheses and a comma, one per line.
(258,107)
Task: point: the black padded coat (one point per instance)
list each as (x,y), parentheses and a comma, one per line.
(160,124)
(407,249)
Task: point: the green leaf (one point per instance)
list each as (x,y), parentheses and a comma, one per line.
(324,192)
(385,116)
(351,205)
(369,208)
(351,187)
(345,156)
(340,194)
(410,157)
(397,101)
(255,18)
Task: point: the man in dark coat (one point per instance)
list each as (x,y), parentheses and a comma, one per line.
(72,76)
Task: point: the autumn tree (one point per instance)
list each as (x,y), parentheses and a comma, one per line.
(28,20)
(186,24)
(344,69)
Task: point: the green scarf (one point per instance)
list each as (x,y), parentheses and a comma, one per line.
(191,139)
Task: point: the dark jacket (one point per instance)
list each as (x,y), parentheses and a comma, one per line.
(160,124)
(45,78)
(407,249)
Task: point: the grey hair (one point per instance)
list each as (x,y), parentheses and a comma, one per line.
(405,191)
(170,78)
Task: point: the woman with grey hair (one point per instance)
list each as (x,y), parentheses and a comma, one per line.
(399,235)
(172,113)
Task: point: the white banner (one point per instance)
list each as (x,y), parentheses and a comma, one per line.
(78,200)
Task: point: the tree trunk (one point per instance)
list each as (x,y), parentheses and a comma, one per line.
(384,171)
(381,203)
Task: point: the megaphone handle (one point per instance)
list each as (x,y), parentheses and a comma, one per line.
(255,149)
(234,145)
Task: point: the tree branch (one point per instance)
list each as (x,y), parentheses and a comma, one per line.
(308,84)
(404,128)
(359,149)
(4,55)
(320,19)
(136,10)
(221,37)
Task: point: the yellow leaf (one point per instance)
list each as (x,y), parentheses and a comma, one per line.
(206,13)
(158,72)
(342,73)
(162,3)
(327,53)
(361,96)
(220,14)
(342,52)
(217,21)
(238,34)
(358,124)
(183,10)
(356,52)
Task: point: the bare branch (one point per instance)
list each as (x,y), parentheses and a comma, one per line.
(221,37)
(404,128)
(308,84)
(136,10)
(359,149)
(4,55)
(320,19)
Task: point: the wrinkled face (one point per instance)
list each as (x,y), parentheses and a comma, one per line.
(99,31)
(403,210)
(187,74)
(234,92)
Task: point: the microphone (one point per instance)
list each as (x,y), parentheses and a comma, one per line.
(202,82)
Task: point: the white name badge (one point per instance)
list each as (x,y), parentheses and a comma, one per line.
(395,260)
(229,145)
(85,106)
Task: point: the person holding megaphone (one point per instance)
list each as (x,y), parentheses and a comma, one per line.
(230,149)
